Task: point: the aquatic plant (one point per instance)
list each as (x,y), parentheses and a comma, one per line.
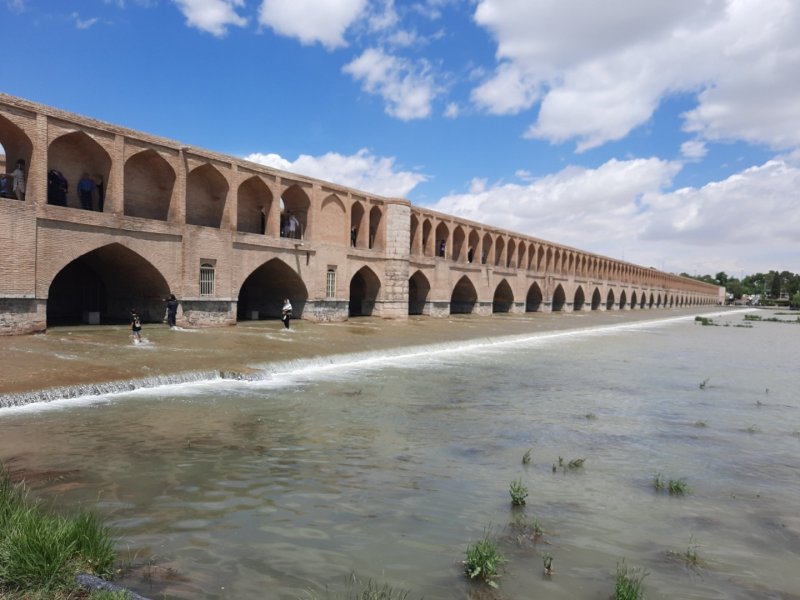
(526,528)
(704,383)
(483,560)
(705,321)
(526,458)
(576,463)
(752,317)
(40,552)
(628,583)
(547,561)
(700,424)
(676,487)
(590,416)
(690,556)
(752,429)
(357,590)
(518,491)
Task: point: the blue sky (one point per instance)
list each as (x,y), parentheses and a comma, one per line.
(665,133)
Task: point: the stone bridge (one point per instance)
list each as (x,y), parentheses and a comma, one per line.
(232,238)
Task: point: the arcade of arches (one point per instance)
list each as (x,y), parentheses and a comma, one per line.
(232,239)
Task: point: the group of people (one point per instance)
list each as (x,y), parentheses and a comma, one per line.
(12,185)
(172,314)
(88,188)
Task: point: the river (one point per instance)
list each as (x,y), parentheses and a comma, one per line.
(384,460)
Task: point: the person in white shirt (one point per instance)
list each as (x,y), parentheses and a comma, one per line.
(286,312)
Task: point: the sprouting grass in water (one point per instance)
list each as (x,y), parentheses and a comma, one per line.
(547,561)
(590,416)
(526,458)
(357,590)
(483,561)
(576,463)
(704,383)
(40,552)
(628,583)
(752,429)
(700,424)
(676,487)
(518,492)
(752,317)
(705,321)
(525,529)
(690,556)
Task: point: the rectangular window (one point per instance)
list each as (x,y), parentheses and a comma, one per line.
(206,278)
(330,284)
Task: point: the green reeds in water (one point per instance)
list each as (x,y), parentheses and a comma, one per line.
(518,492)
(40,552)
(676,487)
(483,561)
(628,583)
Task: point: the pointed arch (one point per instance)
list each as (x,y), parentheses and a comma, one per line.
(16,144)
(414,239)
(596,299)
(427,238)
(473,245)
(464,297)
(578,300)
(262,293)
(486,248)
(149,185)
(334,216)
(459,237)
(74,154)
(376,228)
(559,299)
(419,289)
(364,289)
(206,192)
(623,300)
(499,248)
(357,228)
(295,206)
(533,300)
(110,281)
(503,298)
(610,300)
(442,240)
(634,303)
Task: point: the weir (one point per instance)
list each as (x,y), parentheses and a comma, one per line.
(231,239)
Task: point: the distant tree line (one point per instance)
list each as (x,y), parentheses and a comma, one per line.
(770,286)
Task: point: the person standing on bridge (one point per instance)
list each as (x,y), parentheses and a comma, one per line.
(18,179)
(86,188)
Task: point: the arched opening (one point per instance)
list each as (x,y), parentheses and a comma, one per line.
(610,300)
(634,304)
(579,300)
(414,237)
(623,300)
(533,301)
(511,255)
(253,206)
(473,245)
(206,192)
(375,229)
(458,242)
(149,183)
(103,286)
(364,289)
(652,301)
(294,213)
(75,155)
(597,299)
(559,299)
(499,247)
(486,250)
(333,215)
(427,239)
(16,145)
(262,293)
(503,298)
(658,301)
(418,290)
(357,225)
(442,234)
(463,298)
(643,301)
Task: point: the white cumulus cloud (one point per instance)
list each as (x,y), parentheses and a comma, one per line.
(212,16)
(407,88)
(602,68)
(362,171)
(312,21)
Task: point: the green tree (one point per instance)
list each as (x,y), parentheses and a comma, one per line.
(775,284)
(722,278)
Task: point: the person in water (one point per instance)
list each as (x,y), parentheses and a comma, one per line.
(136,325)
(286,312)
(172,310)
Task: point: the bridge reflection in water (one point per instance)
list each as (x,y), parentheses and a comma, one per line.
(232,239)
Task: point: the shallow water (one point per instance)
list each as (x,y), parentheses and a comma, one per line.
(388,466)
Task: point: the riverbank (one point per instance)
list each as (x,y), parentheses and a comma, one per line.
(86,360)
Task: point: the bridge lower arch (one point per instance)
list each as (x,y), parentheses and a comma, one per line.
(503,298)
(463,298)
(559,299)
(263,291)
(419,289)
(623,300)
(364,289)
(106,283)
(533,301)
(610,300)
(596,299)
(579,300)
